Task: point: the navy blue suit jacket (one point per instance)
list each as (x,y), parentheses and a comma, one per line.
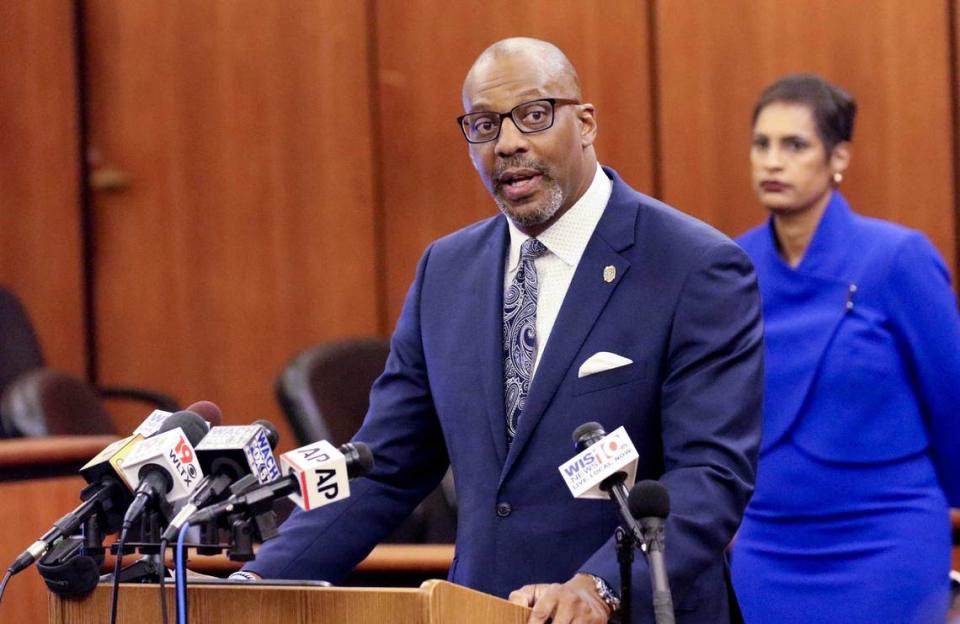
(683,306)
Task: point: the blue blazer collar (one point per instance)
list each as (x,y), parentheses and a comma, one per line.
(827,257)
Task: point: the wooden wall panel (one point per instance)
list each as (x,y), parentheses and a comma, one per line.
(955,60)
(715,57)
(424,50)
(247,230)
(40,235)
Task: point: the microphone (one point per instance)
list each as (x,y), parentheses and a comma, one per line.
(165,466)
(314,475)
(208,411)
(227,454)
(603,466)
(649,503)
(108,489)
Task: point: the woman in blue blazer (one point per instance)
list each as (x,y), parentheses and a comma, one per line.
(860,456)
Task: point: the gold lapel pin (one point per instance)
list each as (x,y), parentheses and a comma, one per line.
(609,273)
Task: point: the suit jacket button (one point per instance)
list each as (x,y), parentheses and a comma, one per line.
(504,509)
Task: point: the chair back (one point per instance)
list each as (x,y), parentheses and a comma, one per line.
(46,402)
(19,346)
(324,391)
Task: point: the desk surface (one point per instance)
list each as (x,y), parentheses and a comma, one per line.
(417,558)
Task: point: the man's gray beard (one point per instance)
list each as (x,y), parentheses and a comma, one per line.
(537,217)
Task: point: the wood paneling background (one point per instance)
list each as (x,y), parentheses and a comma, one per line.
(955,68)
(716,57)
(41,256)
(289,161)
(425,49)
(247,231)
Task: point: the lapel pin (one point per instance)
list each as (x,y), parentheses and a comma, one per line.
(609,273)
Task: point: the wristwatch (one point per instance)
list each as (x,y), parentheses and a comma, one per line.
(606,594)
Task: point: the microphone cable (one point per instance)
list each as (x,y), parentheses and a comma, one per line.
(3,584)
(163,574)
(114,593)
(180,581)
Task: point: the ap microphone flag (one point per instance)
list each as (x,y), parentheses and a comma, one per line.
(321,470)
(586,471)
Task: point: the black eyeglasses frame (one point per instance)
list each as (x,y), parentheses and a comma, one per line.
(553,117)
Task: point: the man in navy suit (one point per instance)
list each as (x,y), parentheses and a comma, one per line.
(586,301)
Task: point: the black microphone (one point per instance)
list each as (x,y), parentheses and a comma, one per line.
(226,455)
(108,491)
(165,466)
(587,435)
(311,480)
(649,503)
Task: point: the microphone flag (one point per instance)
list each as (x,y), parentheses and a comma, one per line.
(584,473)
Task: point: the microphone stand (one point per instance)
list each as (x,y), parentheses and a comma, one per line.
(625,545)
(149,567)
(653,546)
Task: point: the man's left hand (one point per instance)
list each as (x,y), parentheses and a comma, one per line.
(573,602)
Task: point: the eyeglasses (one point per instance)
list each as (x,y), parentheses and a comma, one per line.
(529,117)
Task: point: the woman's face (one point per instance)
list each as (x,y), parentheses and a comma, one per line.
(790,167)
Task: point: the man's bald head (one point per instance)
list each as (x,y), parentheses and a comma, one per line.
(547,57)
(539,158)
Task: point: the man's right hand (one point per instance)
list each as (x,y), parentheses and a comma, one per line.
(573,602)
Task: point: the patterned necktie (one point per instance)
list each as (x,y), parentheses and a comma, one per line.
(520,333)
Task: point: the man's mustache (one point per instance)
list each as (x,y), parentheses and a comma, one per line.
(518,163)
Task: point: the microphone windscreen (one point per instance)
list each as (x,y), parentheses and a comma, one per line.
(273,436)
(74,578)
(648,499)
(587,434)
(194,427)
(359,458)
(208,411)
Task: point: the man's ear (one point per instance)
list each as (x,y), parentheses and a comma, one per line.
(587,116)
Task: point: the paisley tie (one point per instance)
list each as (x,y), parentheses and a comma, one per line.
(520,333)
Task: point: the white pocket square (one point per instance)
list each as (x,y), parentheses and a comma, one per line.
(602,361)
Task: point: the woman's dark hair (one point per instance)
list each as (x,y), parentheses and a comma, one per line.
(833,109)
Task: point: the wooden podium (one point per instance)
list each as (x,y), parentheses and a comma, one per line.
(435,602)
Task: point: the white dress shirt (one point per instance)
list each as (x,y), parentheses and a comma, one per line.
(565,241)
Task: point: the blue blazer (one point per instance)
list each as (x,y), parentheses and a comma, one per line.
(683,306)
(863,345)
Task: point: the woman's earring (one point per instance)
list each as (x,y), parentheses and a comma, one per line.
(837,179)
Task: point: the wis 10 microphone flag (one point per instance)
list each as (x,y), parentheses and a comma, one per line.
(590,468)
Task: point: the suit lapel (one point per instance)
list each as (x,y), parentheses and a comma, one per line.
(585,299)
(488,323)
